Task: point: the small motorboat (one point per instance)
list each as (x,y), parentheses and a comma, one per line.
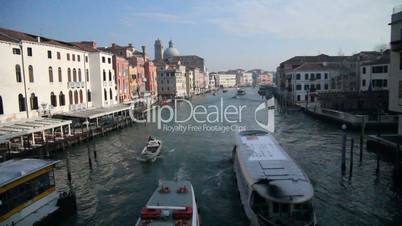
(224,91)
(241,92)
(172,203)
(152,150)
(235,97)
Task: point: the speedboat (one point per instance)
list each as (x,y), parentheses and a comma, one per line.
(224,91)
(241,92)
(172,203)
(151,150)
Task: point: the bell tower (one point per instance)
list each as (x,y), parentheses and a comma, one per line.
(158,49)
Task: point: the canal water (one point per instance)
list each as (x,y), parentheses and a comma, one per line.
(118,186)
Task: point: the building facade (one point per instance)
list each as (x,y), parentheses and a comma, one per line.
(172,81)
(226,80)
(120,66)
(374,75)
(244,79)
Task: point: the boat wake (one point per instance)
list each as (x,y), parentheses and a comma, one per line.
(172,150)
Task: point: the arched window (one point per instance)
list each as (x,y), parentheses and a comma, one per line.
(1,106)
(104,92)
(53,99)
(30,73)
(89,96)
(50,74)
(110,94)
(79,75)
(62,100)
(75,97)
(18,73)
(33,100)
(60,75)
(69,75)
(104,75)
(74,75)
(87,75)
(110,76)
(70,97)
(81,97)
(21,102)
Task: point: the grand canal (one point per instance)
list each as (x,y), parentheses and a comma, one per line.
(118,186)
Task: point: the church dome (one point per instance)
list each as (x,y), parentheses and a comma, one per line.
(171,51)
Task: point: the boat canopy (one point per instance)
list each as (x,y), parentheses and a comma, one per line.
(13,170)
(269,170)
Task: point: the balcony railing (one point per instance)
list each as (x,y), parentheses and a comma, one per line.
(75,84)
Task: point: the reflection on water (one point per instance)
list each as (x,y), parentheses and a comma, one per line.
(118,186)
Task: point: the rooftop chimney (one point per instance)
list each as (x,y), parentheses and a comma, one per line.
(38,38)
(143,51)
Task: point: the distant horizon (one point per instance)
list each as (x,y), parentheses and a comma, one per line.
(228,34)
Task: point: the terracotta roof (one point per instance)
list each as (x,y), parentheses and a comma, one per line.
(316,67)
(85,46)
(16,36)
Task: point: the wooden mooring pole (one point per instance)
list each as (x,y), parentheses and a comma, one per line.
(377,170)
(351,159)
(344,137)
(362,140)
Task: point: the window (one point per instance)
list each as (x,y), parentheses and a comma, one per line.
(312,76)
(70,97)
(110,76)
(18,73)
(50,74)
(62,100)
(109,60)
(104,75)
(75,97)
(74,75)
(16,51)
(87,74)
(111,94)
(21,102)
(33,100)
(69,74)
(326,75)
(364,82)
(298,97)
(306,87)
(318,86)
(318,76)
(105,94)
(103,59)
(78,58)
(364,70)
(58,55)
(306,76)
(81,97)
(29,51)
(385,83)
(68,56)
(326,86)
(297,76)
(73,56)
(79,75)
(53,99)
(59,74)
(49,54)
(379,69)
(1,106)
(305,97)
(298,87)
(31,74)
(89,96)
(86,59)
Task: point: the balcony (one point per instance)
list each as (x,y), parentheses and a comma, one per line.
(75,85)
(396,46)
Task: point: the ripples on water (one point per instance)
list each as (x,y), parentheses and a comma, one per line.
(114,192)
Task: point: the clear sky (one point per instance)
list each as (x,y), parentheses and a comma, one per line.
(227,33)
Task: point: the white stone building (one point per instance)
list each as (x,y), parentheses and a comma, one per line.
(244,79)
(40,76)
(395,76)
(171,81)
(225,80)
(374,75)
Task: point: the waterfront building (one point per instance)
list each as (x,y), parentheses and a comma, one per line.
(244,79)
(395,76)
(374,74)
(102,77)
(41,76)
(172,81)
(265,78)
(211,80)
(120,65)
(226,80)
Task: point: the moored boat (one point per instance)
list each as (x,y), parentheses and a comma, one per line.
(151,150)
(224,91)
(28,194)
(241,92)
(273,189)
(172,204)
